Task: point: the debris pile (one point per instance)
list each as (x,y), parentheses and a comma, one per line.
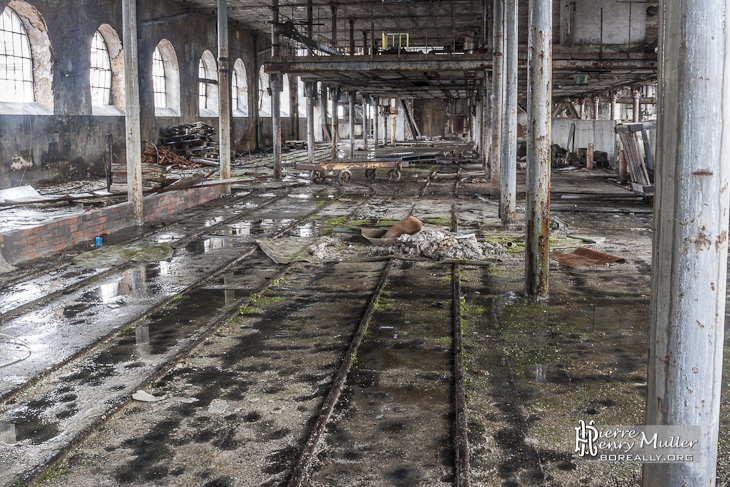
(438,245)
(327,249)
(167,158)
(153,177)
(191,140)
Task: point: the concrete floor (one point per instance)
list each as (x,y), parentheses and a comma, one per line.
(235,405)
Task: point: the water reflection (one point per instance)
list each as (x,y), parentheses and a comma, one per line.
(7,434)
(142,335)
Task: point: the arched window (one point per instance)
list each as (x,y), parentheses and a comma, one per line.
(239,89)
(207,85)
(159,82)
(26,65)
(166,80)
(16,62)
(100,77)
(264,94)
(106,72)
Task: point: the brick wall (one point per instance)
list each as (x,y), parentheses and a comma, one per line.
(28,243)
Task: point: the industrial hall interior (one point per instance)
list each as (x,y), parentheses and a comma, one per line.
(364,243)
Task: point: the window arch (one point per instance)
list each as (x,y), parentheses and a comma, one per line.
(239,89)
(106,74)
(166,80)
(207,85)
(264,94)
(26,66)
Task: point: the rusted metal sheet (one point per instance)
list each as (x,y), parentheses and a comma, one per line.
(585,257)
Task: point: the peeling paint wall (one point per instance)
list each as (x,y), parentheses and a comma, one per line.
(70,142)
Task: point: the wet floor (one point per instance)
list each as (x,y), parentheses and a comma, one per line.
(237,410)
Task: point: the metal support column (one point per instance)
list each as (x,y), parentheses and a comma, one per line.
(637,106)
(508,179)
(596,105)
(310,19)
(131,114)
(614,105)
(690,233)
(275,83)
(309,88)
(364,43)
(335,96)
(365,132)
(333,8)
(539,121)
(497,96)
(386,120)
(351,99)
(224,92)
(376,113)
(352,37)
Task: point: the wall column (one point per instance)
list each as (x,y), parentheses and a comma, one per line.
(539,122)
(131,113)
(309,89)
(690,233)
(224,92)
(497,95)
(508,180)
(275,83)
(596,106)
(376,111)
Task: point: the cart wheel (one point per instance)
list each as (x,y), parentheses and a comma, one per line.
(318,177)
(370,174)
(344,177)
(394,175)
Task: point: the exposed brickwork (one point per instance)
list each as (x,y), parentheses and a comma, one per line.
(29,243)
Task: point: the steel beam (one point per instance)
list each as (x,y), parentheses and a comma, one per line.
(497,96)
(508,179)
(309,88)
(224,92)
(689,263)
(275,81)
(131,113)
(539,122)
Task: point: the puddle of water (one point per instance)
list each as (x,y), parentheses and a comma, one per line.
(7,434)
(168,237)
(210,223)
(301,196)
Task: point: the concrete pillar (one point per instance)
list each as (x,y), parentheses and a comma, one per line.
(487,123)
(386,120)
(365,132)
(309,89)
(351,99)
(508,179)
(596,105)
(131,114)
(333,8)
(392,128)
(335,96)
(690,233)
(539,122)
(275,84)
(497,96)
(637,106)
(224,91)
(364,43)
(274,22)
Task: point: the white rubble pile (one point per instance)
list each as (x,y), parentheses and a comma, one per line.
(326,249)
(437,245)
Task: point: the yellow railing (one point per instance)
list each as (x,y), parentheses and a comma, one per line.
(395,40)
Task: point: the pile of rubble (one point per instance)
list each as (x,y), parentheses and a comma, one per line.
(439,245)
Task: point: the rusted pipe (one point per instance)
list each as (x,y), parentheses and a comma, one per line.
(537,248)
